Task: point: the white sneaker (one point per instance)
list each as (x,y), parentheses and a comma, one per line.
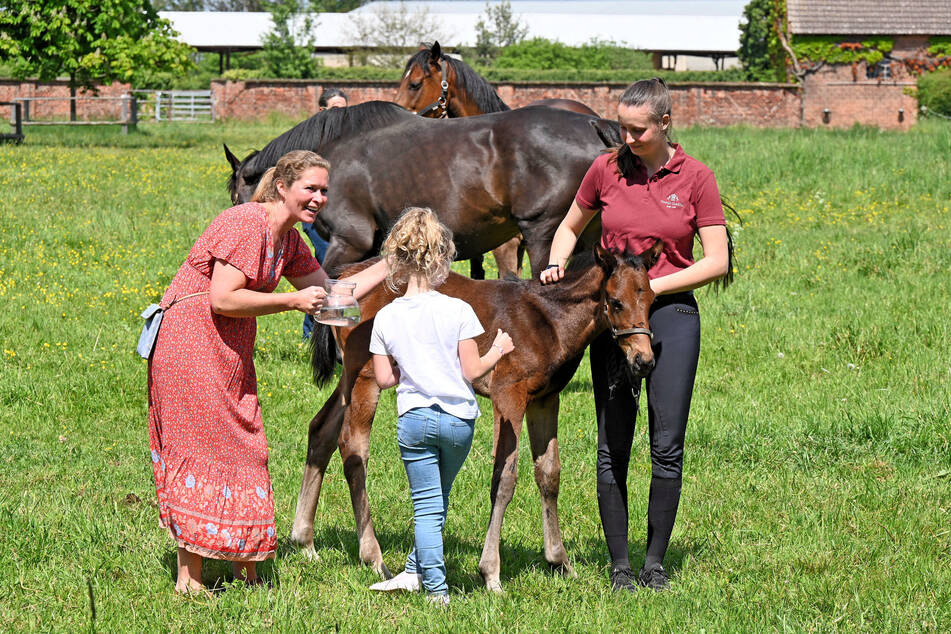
(403,582)
(439,599)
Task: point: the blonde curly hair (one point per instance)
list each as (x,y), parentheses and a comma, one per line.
(418,244)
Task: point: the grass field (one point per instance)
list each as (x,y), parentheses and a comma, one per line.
(818,472)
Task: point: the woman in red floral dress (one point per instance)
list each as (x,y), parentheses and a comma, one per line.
(209,450)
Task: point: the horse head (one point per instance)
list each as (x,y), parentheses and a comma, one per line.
(626,298)
(425,88)
(240,184)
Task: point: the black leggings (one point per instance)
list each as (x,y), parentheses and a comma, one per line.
(675,322)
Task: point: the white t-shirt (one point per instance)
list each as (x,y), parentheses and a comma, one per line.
(422,334)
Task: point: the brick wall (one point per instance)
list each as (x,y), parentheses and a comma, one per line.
(846,92)
(295,98)
(851,96)
(58,108)
(716,104)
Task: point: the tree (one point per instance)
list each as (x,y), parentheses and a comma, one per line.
(761,49)
(90,41)
(334,6)
(391,30)
(288,48)
(496,29)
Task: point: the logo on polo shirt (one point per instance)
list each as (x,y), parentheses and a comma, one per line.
(673,201)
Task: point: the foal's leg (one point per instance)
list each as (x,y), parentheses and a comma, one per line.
(321,443)
(541,416)
(354,445)
(508,425)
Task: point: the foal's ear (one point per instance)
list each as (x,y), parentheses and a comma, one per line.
(650,256)
(604,258)
(435,53)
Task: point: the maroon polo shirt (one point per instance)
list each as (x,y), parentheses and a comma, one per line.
(671,205)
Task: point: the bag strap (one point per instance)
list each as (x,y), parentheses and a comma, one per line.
(184,297)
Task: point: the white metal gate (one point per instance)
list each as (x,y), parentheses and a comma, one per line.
(183,105)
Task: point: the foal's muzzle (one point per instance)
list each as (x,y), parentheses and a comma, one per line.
(639,368)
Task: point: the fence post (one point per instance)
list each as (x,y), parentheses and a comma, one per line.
(158,105)
(18,117)
(131,105)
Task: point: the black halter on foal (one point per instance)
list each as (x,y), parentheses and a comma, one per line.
(443,102)
(626,331)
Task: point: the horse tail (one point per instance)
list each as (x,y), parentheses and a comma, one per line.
(727,279)
(323,354)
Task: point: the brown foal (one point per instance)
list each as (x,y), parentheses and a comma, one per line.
(551,327)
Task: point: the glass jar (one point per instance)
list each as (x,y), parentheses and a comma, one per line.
(341,307)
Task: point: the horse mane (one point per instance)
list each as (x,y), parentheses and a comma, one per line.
(323,128)
(578,266)
(470,82)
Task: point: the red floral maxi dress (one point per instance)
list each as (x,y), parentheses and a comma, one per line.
(209,451)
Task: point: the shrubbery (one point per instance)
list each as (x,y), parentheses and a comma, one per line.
(934,91)
(541,54)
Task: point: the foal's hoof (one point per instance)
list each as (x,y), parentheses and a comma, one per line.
(381,569)
(309,552)
(565,568)
(493,585)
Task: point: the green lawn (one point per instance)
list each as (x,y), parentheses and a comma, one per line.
(818,470)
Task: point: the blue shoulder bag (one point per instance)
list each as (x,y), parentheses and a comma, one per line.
(153,319)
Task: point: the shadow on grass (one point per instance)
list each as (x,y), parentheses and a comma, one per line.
(515,559)
(216,574)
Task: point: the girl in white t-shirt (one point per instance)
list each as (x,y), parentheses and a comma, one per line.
(424,343)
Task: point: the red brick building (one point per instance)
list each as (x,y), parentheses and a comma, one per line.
(879,94)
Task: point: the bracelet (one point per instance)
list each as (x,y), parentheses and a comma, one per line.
(500,349)
(552,266)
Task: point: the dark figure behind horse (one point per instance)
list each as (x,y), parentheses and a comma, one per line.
(551,327)
(488,178)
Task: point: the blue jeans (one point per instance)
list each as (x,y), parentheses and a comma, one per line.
(320,250)
(433,445)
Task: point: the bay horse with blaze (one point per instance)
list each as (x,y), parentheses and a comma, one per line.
(436,85)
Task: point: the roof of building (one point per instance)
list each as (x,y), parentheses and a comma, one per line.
(671,26)
(869,17)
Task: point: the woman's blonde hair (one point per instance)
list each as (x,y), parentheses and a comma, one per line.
(418,244)
(288,169)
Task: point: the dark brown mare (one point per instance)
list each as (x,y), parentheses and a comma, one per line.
(436,85)
(551,326)
(488,178)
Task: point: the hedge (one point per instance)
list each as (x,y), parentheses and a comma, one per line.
(934,91)
(518,75)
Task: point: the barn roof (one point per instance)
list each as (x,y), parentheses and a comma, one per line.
(869,17)
(667,26)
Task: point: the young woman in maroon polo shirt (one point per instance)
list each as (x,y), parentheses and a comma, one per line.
(648,188)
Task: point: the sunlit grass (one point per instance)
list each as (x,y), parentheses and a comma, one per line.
(818,461)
